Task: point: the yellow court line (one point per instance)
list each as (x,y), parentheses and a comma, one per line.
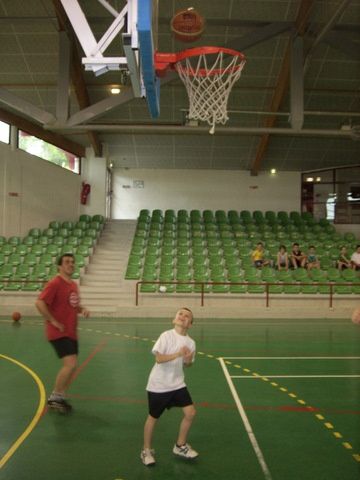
(36,417)
(274,384)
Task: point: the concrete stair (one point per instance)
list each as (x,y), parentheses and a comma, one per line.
(103,287)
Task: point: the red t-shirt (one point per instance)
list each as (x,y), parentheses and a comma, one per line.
(63,301)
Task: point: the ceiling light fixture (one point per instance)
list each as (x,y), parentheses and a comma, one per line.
(273,171)
(115,90)
(310,179)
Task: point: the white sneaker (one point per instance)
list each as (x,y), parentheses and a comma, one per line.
(147,457)
(185,451)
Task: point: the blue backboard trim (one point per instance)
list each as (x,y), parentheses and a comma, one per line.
(146,53)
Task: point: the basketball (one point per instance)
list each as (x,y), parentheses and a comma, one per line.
(16,316)
(187,25)
(162,289)
(355,317)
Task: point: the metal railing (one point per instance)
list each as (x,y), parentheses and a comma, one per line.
(267,285)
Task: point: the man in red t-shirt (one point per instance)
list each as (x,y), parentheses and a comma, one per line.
(59,304)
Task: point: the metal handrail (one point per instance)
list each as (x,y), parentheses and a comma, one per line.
(267,285)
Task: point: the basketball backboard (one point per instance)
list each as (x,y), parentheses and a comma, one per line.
(138,20)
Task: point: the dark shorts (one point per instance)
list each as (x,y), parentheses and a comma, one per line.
(158,402)
(65,346)
(258,263)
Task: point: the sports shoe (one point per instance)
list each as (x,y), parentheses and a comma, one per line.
(147,457)
(60,404)
(185,451)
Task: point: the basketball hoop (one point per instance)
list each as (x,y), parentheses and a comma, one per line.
(208,74)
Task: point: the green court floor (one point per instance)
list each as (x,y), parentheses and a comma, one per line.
(276,399)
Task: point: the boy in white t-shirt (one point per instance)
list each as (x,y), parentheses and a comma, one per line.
(166,388)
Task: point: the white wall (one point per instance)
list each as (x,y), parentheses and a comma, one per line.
(93,172)
(202,189)
(34,192)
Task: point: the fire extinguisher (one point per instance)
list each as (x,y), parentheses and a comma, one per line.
(84,193)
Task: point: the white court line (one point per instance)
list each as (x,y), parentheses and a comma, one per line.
(246,422)
(295,376)
(291,358)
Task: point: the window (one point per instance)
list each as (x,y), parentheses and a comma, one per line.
(4,132)
(48,152)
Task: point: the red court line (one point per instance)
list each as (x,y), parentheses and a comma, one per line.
(81,367)
(217,406)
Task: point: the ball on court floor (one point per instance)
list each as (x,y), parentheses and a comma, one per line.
(16,316)
(162,289)
(355,317)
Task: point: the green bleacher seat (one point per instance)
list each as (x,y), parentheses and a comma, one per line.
(46,259)
(85,218)
(54,224)
(76,273)
(135,260)
(66,248)
(6,271)
(83,250)
(14,259)
(98,218)
(52,250)
(39,272)
(43,240)
(87,241)
(13,284)
(309,288)
(349,275)
(22,271)
(49,232)
(80,225)
(58,241)
(132,272)
(28,240)
(35,232)
(69,225)
(30,259)
(21,249)
(6,249)
(53,270)
(31,286)
(78,232)
(63,232)
(74,241)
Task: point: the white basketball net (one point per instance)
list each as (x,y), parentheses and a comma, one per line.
(209,87)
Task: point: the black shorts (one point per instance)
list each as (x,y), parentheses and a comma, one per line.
(65,346)
(159,401)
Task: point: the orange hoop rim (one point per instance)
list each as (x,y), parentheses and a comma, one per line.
(164,61)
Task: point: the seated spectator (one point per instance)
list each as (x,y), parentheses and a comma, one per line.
(282,260)
(312,260)
(355,258)
(343,261)
(258,256)
(297,258)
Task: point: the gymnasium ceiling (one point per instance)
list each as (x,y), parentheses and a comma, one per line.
(262,29)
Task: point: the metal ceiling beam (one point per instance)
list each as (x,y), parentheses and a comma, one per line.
(188,130)
(104,106)
(100,108)
(24,107)
(63,85)
(38,131)
(282,84)
(345,45)
(76,72)
(297,83)
(258,35)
